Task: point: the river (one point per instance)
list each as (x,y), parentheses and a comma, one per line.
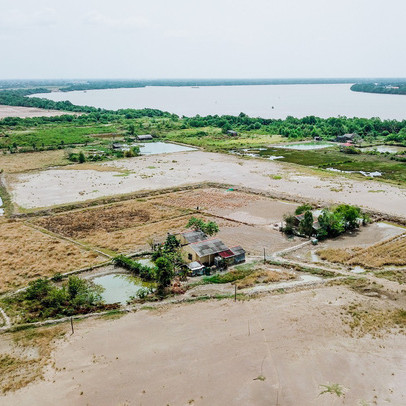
(268,101)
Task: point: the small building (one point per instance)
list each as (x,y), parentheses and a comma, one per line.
(190,237)
(232,133)
(145,137)
(204,251)
(117,145)
(239,254)
(348,138)
(196,268)
(317,138)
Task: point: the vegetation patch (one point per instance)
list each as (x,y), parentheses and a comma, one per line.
(43,300)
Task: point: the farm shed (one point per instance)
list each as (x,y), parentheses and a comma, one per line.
(239,254)
(232,133)
(145,137)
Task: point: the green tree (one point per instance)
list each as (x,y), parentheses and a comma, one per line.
(81,157)
(209,228)
(306,225)
(164,274)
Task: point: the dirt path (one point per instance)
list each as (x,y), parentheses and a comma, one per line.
(51,187)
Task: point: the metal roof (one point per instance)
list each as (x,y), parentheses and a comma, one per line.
(194,236)
(145,137)
(208,247)
(226,254)
(194,266)
(238,250)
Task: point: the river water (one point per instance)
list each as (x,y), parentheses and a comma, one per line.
(268,101)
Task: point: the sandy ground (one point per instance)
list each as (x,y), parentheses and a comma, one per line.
(211,353)
(58,186)
(24,112)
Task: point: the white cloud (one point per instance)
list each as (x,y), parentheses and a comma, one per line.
(16,18)
(97,18)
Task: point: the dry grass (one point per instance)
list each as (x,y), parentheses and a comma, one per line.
(27,254)
(107,219)
(29,354)
(137,238)
(389,252)
(209,199)
(365,319)
(15,163)
(94,167)
(263,276)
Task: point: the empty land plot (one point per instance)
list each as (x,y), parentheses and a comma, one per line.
(235,205)
(27,254)
(389,252)
(137,238)
(23,162)
(108,218)
(255,239)
(24,112)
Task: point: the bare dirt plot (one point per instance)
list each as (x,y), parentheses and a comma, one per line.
(27,254)
(239,206)
(24,112)
(389,252)
(274,350)
(108,218)
(255,239)
(23,162)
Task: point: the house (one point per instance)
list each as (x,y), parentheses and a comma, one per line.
(204,251)
(190,237)
(214,251)
(145,137)
(232,133)
(316,225)
(348,138)
(117,145)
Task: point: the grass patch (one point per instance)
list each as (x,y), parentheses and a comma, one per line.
(392,275)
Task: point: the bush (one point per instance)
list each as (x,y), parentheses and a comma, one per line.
(303,208)
(143,271)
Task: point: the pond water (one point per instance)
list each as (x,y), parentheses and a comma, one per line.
(367,174)
(267,101)
(304,146)
(119,288)
(392,149)
(151,148)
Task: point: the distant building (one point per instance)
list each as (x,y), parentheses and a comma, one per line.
(196,268)
(145,137)
(117,145)
(348,138)
(232,133)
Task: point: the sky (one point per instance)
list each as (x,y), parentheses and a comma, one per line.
(133,39)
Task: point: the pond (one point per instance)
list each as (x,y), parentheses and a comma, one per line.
(119,288)
(304,146)
(151,148)
(392,149)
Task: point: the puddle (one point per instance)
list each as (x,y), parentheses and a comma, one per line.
(368,174)
(151,148)
(305,146)
(119,288)
(314,257)
(392,149)
(358,269)
(1,207)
